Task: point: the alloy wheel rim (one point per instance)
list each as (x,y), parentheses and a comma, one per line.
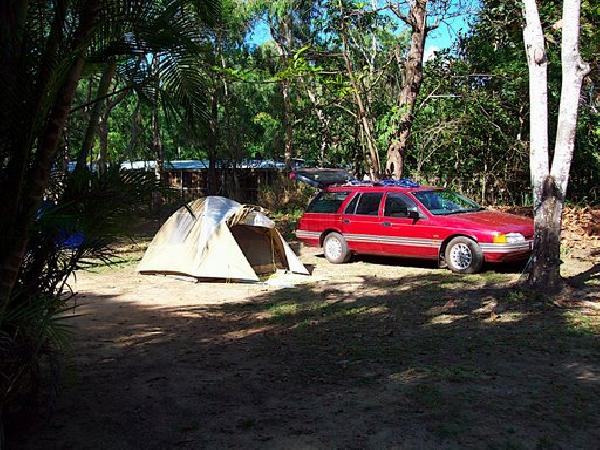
(461,256)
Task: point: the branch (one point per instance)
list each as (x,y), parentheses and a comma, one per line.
(104,97)
(342,107)
(399,14)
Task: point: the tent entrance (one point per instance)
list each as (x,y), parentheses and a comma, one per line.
(261,247)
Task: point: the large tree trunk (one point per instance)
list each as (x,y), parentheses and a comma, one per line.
(550,186)
(413,77)
(574,69)
(90,132)
(545,266)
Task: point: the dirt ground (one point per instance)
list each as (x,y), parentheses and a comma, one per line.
(377,353)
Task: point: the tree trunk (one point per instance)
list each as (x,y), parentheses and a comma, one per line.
(545,272)
(157,147)
(103,141)
(282,36)
(413,77)
(287,123)
(324,123)
(358,153)
(537,63)
(90,132)
(103,131)
(136,119)
(550,186)
(574,69)
(212,144)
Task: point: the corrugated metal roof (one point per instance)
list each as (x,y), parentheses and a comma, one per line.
(202,164)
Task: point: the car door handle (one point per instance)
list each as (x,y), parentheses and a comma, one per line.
(346,221)
(386,224)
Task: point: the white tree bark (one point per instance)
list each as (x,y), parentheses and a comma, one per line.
(574,69)
(537,62)
(550,184)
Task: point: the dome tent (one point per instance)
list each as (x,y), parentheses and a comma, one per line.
(216,237)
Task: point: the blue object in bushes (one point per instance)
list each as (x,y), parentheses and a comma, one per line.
(72,240)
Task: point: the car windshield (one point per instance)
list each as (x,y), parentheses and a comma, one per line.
(441,203)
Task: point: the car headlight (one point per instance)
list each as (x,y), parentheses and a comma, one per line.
(508,238)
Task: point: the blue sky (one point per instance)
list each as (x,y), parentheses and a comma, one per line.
(439,39)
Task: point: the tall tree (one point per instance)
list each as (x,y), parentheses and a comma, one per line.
(281,30)
(39,91)
(550,181)
(416,19)
(362,96)
(90,132)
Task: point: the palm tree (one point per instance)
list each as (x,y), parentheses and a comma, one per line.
(44,48)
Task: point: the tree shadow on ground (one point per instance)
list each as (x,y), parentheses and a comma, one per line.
(427,361)
(593,273)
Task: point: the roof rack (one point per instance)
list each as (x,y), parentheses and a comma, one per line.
(323,177)
(403,182)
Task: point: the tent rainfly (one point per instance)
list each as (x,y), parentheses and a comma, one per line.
(215,237)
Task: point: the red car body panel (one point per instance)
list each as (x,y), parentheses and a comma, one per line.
(420,238)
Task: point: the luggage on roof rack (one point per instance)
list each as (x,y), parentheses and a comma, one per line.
(404,182)
(323,177)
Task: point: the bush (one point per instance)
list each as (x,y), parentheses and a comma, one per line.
(285,196)
(82,215)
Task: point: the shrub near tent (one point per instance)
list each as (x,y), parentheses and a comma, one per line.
(216,237)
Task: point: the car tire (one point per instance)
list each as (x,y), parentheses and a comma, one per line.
(336,249)
(463,255)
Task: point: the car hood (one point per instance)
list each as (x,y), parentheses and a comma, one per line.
(494,221)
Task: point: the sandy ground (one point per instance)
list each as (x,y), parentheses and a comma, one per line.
(378,353)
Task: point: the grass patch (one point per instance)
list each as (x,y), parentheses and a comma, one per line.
(583,325)
(114,263)
(317,311)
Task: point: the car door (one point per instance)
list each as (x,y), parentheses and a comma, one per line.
(405,231)
(361,222)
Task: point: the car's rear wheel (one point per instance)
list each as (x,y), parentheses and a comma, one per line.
(463,255)
(336,249)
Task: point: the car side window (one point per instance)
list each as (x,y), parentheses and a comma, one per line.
(351,208)
(327,202)
(368,204)
(398,205)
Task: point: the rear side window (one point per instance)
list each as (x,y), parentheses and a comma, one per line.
(368,204)
(327,202)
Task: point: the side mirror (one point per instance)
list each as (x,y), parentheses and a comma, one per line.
(414,215)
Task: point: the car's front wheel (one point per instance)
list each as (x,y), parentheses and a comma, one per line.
(463,255)
(336,249)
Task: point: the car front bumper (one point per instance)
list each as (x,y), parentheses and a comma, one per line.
(510,251)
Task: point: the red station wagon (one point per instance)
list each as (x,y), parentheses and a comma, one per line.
(420,222)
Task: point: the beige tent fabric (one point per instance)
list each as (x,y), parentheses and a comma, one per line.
(197,241)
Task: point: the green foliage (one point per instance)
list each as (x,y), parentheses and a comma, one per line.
(90,211)
(471,128)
